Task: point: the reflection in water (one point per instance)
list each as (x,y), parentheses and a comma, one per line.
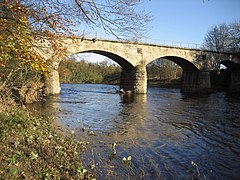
(163,131)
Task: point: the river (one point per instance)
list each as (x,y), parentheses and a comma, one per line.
(164,134)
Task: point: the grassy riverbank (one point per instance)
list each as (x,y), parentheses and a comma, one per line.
(31,149)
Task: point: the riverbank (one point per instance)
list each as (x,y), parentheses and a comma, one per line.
(31,149)
(175,83)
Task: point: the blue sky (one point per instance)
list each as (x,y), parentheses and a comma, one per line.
(188,20)
(185,20)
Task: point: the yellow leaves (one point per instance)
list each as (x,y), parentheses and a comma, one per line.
(16,39)
(17,33)
(38,66)
(23,20)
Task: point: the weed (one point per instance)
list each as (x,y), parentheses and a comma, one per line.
(31,149)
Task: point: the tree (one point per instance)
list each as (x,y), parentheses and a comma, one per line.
(24,22)
(224,38)
(217,39)
(235,36)
(163,69)
(16,53)
(72,71)
(117,17)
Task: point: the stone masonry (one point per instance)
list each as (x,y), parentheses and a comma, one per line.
(133,57)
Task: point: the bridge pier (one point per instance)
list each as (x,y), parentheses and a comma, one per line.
(196,82)
(52,83)
(134,79)
(127,79)
(140,85)
(235,81)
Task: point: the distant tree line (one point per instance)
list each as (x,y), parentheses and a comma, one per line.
(163,69)
(72,71)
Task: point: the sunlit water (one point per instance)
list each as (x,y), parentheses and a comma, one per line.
(163,131)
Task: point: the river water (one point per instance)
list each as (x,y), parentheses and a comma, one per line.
(168,135)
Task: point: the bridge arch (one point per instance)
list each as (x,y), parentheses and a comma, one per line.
(118,59)
(192,78)
(127,79)
(231,65)
(183,63)
(233,74)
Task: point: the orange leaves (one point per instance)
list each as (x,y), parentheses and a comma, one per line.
(24,22)
(29,31)
(16,37)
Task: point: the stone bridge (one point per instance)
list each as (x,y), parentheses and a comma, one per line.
(133,57)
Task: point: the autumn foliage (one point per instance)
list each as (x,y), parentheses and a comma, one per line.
(23,24)
(30,29)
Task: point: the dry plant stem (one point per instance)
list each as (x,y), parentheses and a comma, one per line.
(3,85)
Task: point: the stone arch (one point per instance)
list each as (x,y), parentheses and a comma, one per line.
(127,79)
(193,80)
(118,59)
(233,75)
(231,65)
(183,63)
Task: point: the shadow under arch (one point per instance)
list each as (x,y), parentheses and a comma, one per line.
(118,59)
(230,65)
(232,75)
(193,79)
(183,63)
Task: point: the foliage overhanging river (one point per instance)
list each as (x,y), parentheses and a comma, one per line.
(163,131)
